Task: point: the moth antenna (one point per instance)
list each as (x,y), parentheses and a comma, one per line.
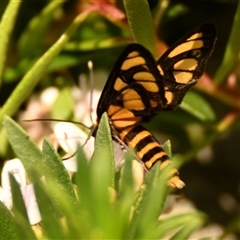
(55,120)
(90,67)
(92,129)
(83,85)
(72,155)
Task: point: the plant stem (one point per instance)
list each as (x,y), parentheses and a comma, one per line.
(230,58)
(6,27)
(29,81)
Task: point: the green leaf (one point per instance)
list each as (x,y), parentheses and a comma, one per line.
(188,229)
(24,230)
(123,206)
(32,37)
(19,209)
(64,105)
(25,149)
(83,181)
(187,222)
(31,157)
(167,147)
(231,55)
(102,178)
(4,146)
(175,11)
(7,224)
(29,81)
(127,183)
(56,175)
(149,204)
(82,177)
(104,148)
(196,105)
(140,22)
(96,44)
(6,27)
(50,223)
(65,60)
(58,185)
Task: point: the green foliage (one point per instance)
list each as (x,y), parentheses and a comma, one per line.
(55,42)
(29,81)
(85,210)
(8,226)
(28,152)
(231,55)
(196,105)
(34,34)
(23,228)
(63,101)
(142,30)
(6,27)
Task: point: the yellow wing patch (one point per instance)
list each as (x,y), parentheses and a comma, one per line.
(119,84)
(189,64)
(195,36)
(182,77)
(132,100)
(185,47)
(132,62)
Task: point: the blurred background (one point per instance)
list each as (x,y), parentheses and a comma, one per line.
(212,172)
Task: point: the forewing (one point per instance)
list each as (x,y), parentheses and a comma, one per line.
(134,91)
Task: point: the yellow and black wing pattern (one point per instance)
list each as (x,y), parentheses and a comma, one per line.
(184,62)
(134,91)
(139,87)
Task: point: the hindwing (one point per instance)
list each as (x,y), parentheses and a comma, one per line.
(184,62)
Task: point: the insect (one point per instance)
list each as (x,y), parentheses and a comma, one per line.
(139,87)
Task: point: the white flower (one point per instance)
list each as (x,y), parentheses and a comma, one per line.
(16,168)
(39,107)
(70,137)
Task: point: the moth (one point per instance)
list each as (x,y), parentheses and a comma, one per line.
(139,87)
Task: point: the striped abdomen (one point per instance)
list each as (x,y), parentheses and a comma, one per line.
(148,150)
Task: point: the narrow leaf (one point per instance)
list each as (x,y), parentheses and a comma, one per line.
(50,223)
(149,204)
(24,230)
(56,175)
(34,33)
(196,105)
(18,203)
(6,27)
(29,81)
(153,202)
(123,206)
(140,22)
(186,231)
(25,149)
(102,178)
(104,148)
(168,224)
(7,224)
(231,55)
(59,184)
(63,106)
